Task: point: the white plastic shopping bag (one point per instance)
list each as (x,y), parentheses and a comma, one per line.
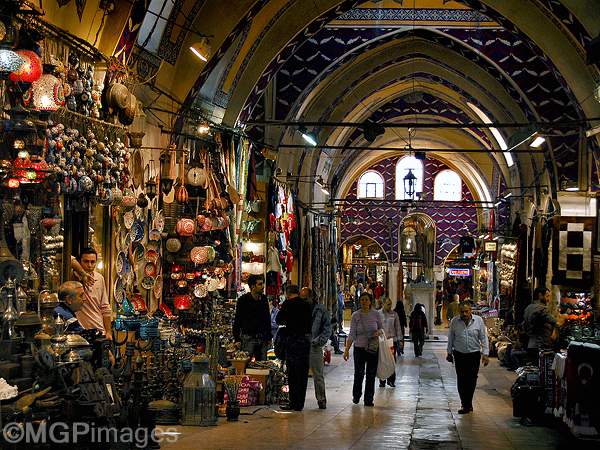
(386,365)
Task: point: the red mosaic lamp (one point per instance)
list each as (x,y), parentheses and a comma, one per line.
(31,70)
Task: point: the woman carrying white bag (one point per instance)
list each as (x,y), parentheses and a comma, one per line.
(386,366)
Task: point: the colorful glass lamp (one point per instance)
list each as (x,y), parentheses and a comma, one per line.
(31,70)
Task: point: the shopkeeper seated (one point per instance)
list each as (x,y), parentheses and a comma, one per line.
(71,298)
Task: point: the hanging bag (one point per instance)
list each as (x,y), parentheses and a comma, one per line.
(386,364)
(372,342)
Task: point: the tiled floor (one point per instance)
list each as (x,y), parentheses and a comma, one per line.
(420,413)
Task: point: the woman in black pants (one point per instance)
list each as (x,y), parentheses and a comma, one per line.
(364,324)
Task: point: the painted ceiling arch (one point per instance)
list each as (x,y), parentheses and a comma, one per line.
(517,60)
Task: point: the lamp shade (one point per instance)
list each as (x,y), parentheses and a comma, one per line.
(31,70)
(201,49)
(48,93)
(10,61)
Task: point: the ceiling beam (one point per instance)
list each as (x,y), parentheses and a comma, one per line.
(557,124)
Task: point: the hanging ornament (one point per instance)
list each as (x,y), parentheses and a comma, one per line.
(31,70)
(48,93)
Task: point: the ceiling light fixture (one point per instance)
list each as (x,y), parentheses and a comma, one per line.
(308,137)
(521,137)
(538,141)
(372,132)
(201,49)
(322,185)
(409,183)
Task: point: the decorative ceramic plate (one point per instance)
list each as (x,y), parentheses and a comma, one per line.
(160,221)
(127,243)
(138,249)
(128,219)
(121,263)
(150,269)
(154,235)
(148,282)
(158,286)
(137,231)
(151,256)
(119,292)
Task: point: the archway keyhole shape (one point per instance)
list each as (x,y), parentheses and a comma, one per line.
(360,242)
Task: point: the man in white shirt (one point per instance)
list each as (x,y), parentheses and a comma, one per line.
(96,312)
(467,344)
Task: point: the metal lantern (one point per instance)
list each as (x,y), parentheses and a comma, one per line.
(199,395)
(409,183)
(23,134)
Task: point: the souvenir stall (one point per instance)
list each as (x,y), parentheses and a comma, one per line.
(167,226)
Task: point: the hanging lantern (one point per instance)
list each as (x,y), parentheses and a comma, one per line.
(31,70)
(10,61)
(409,184)
(151,188)
(48,93)
(23,133)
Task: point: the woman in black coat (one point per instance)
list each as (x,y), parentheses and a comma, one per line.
(402,315)
(418,328)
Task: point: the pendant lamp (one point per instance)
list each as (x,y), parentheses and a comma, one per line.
(31,70)
(48,92)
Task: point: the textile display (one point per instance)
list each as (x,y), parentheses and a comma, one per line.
(583,388)
(573,242)
(307,255)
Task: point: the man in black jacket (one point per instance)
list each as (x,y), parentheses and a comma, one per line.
(252,323)
(296,315)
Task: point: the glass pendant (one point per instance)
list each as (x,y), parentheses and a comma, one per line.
(48,93)
(31,70)
(10,61)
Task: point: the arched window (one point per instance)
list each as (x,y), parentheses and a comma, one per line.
(447,186)
(404,165)
(370,185)
(154,24)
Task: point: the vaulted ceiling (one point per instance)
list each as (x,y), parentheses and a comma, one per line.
(425,63)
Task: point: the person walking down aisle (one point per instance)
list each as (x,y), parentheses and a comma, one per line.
(403,323)
(252,322)
(320,332)
(339,315)
(418,328)
(439,302)
(467,344)
(364,324)
(453,308)
(296,314)
(540,324)
(391,325)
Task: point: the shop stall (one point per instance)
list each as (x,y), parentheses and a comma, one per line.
(177,228)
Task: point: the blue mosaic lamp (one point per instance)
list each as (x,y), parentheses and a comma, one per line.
(10,61)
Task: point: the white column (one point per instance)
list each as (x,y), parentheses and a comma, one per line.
(393,282)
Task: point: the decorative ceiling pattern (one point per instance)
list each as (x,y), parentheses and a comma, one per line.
(452,219)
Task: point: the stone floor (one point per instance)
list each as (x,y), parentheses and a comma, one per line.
(420,413)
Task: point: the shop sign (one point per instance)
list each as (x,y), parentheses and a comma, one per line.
(456,272)
(490,246)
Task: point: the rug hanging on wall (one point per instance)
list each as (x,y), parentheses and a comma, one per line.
(573,243)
